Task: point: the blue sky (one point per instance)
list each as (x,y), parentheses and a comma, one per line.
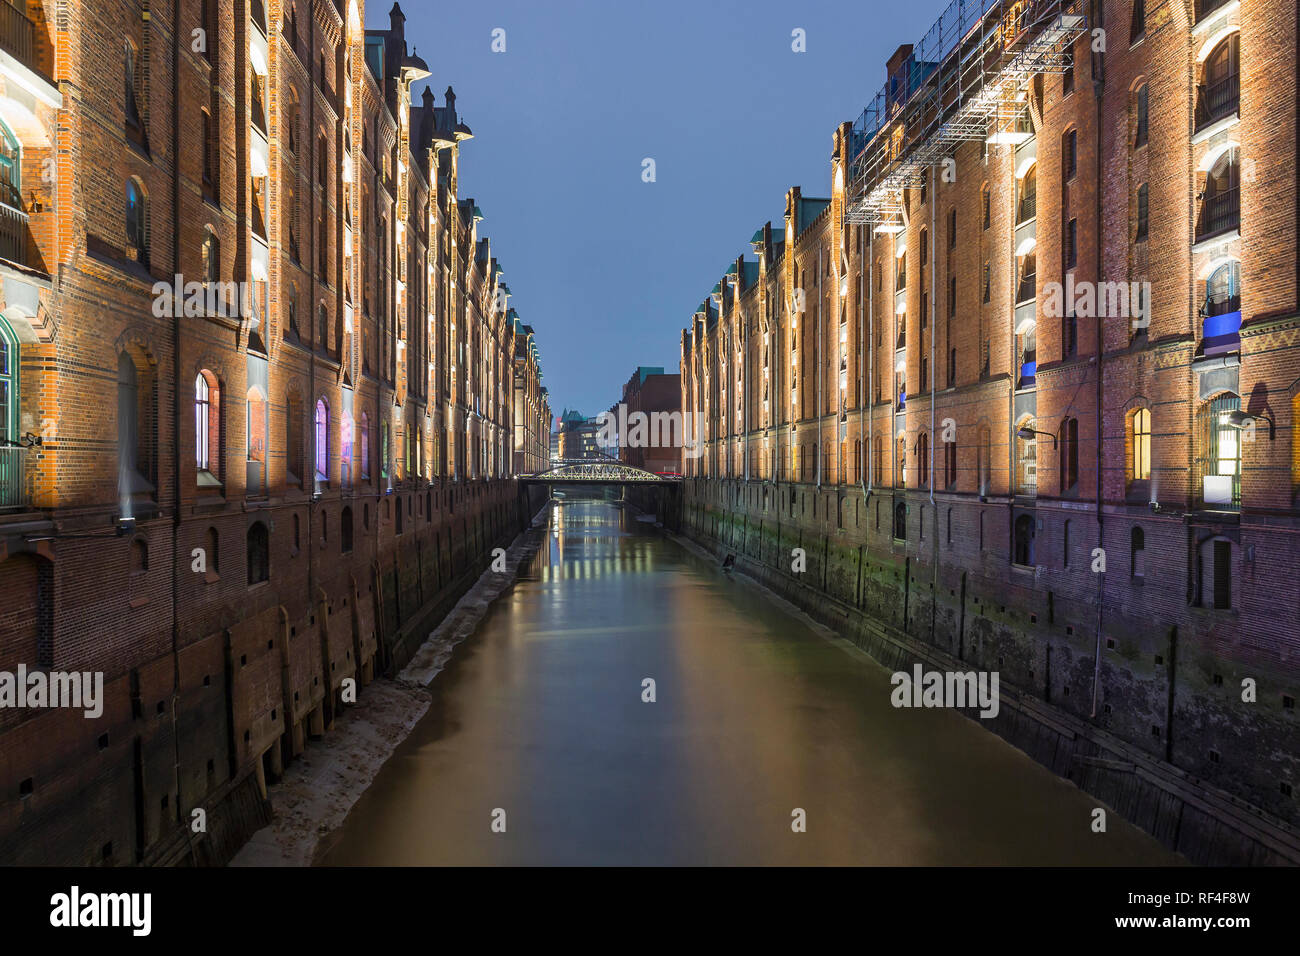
(607,268)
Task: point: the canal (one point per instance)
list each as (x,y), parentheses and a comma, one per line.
(538,726)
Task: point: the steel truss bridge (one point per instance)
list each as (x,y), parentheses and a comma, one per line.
(597,471)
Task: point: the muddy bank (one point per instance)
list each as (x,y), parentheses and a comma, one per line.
(317,791)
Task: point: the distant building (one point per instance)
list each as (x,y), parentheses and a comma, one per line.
(578,436)
(659,396)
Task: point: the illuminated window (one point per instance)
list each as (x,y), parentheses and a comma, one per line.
(1141,444)
(322,441)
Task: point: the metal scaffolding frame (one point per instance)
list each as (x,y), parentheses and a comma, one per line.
(967,80)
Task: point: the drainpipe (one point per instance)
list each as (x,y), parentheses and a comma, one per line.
(176,434)
(1097,93)
(817,409)
(934,372)
(934,383)
(864,277)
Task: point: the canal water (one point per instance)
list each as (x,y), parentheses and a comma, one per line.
(538,727)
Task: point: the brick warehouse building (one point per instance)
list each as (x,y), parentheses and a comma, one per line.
(900,382)
(651,392)
(238,505)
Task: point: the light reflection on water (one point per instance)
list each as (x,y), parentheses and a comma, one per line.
(540,714)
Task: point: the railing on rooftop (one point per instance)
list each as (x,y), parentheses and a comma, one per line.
(964,81)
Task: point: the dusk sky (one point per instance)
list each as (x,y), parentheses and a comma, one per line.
(605,267)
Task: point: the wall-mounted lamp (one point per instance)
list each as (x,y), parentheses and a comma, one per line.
(1026,433)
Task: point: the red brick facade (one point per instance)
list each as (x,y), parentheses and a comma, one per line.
(236,507)
(869,386)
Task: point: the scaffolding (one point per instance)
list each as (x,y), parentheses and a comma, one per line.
(967,80)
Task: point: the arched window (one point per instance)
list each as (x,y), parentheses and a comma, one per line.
(137,221)
(259,553)
(1026,460)
(211,255)
(985,464)
(1065,544)
(322,328)
(1140,462)
(291,121)
(1221,199)
(207,427)
(130,480)
(345,530)
(10,168)
(291,306)
(1027,207)
(365,447)
(1221,312)
(900,476)
(10,475)
(900,521)
(1137,552)
(1219,93)
(1069,448)
(293,440)
(291,220)
(345,450)
(1023,551)
(1138,24)
(1218,442)
(383,449)
(322,442)
(1223,289)
(131,83)
(1140,117)
(209,149)
(256,440)
(923,460)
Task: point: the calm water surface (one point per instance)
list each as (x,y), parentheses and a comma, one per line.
(540,715)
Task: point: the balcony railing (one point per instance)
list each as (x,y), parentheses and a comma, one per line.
(1028,208)
(1221,304)
(1217,100)
(1205,7)
(1219,213)
(1027,290)
(13,232)
(12,490)
(16,32)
